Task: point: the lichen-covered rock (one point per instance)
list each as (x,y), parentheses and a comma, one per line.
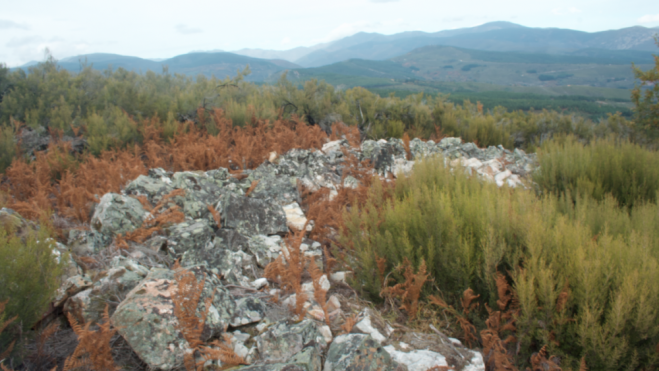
(420,149)
(281,341)
(382,154)
(248,310)
(265,248)
(231,240)
(308,359)
(84,243)
(201,190)
(357,352)
(117,214)
(71,287)
(154,186)
(251,216)
(147,321)
(235,267)
(449,142)
(78,306)
(189,235)
(274,186)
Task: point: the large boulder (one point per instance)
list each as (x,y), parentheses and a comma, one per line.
(146,318)
(272,186)
(383,154)
(117,214)
(308,359)
(251,216)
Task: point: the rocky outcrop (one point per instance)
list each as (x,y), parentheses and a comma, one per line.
(257,210)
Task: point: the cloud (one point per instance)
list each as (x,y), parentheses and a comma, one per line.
(7,24)
(187,30)
(23,41)
(286,40)
(566,11)
(383,1)
(649,18)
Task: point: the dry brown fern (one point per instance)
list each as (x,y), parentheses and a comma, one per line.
(406,144)
(221,351)
(468,297)
(251,187)
(539,361)
(186,299)
(329,261)
(287,270)
(216,215)
(468,329)
(93,350)
(409,290)
(350,322)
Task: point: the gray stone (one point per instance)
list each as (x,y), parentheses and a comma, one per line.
(146,318)
(117,214)
(382,154)
(251,216)
(357,352)
(154,186)
(248,310)
(84,243)
(235,267)
(231,240)
(281,341)
(445,143)
(272,186)
(195,235)
(200,189)
(265,248)
(308,359)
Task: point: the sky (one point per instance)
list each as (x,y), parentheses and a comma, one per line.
(164,28)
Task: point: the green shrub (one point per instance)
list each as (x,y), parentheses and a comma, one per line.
(467,230)
(607,166)
(7,147)
(30,270)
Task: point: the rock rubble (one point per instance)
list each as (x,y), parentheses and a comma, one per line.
(230,259)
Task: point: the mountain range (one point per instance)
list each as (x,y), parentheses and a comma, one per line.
(496,52)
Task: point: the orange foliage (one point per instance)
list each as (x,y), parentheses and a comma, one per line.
(93,348)
(56,180)
(409,290)
(406,144)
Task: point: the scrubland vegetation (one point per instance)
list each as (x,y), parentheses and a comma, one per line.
(568,269)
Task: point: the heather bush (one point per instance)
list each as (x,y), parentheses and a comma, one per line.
(31,267)
(584,273)
(624,170)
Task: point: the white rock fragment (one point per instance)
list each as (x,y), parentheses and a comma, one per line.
(295,218)
(259,283)
(476,363)
(366,327)
(499,178)
(333,303)
(324,284)
(273,156)
(327,333)
(473,163)
(340,276)
(455,341)
(417,360)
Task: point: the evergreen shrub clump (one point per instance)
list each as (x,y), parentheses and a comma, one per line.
(583,272)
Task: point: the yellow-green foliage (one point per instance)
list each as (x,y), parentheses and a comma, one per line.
(104,106)
(606,166)
(7,147)
(467,230)
(30,270)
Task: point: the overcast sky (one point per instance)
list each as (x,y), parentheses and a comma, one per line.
(163,28)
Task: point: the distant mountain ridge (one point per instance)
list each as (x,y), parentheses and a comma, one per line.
(219,64)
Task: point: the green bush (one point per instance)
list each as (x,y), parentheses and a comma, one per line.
(467,230)
(30,269)
(7,147)
(606,166)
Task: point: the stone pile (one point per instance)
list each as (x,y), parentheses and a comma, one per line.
(230,260)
